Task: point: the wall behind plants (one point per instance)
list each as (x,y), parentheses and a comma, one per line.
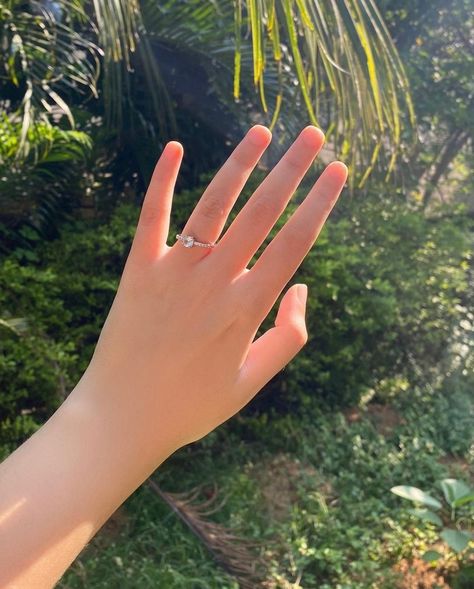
(388,289)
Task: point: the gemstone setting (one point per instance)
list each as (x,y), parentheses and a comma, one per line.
(188,241)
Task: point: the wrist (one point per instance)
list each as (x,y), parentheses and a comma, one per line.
(125,446)
(60,486)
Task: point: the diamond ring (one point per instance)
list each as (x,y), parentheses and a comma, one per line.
(190,241)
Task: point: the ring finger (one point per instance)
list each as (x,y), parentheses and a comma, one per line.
(210,214)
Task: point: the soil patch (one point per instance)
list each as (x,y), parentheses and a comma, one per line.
(281,479)
(384,418)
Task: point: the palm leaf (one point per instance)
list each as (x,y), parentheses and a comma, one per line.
(232,553)
(349,77)
(44,59)
(38,189)
(18,325)
(332,58)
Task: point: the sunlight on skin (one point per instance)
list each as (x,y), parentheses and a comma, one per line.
(45,563)
(10,511)
(171,363)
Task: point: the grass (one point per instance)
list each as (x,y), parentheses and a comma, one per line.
(312,490)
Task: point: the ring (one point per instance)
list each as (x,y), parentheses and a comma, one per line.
(190,241)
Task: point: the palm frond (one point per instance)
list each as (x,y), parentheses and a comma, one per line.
(18,325)
(343,54)
(37,188)
(233,553)
(44,59)
(332,59)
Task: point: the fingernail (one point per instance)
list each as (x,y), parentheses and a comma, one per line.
(302,293)
(312,136)
(259,135)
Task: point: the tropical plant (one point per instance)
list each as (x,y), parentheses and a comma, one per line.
(435,40)
(42,59)
(334,59)
(452,514)
(39,189)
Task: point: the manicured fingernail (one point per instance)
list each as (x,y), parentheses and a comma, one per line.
(302,293)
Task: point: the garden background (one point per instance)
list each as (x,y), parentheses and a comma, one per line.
(295,491)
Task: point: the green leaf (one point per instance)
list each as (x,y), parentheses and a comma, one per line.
(455,539)
(416,495)
(454,489)
(431,556)
(427,515)
(463,500)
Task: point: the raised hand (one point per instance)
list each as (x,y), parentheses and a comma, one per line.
(176,356)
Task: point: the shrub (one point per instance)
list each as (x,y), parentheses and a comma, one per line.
(388,291)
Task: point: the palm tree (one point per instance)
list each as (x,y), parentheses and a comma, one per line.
(330,59)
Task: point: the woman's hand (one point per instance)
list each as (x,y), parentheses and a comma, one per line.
(176,355)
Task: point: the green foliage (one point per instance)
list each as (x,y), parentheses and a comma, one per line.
(53,51)
(378,274)
(311,488)
(38,191)
(42,57)
(388,293)
(455,509)
(435,40)
(435,413)
(64,294)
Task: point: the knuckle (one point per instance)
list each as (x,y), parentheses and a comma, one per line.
(242,160)
(263,209)
(212,207)
(149,215)
(296,240)
(293,163)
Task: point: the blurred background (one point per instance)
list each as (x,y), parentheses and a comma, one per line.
(354,467)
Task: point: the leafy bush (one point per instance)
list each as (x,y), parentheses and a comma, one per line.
(65,296)
(40,189)
(388,296)
(451,515)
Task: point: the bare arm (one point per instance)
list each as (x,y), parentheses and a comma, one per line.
(177,355)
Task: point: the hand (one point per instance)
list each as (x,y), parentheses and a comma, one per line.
(176,355)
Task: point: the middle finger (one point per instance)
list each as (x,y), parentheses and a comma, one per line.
(253,223)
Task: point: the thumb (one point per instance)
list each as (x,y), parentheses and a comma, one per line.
(276,347)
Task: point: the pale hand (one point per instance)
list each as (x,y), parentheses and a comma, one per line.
(176,356)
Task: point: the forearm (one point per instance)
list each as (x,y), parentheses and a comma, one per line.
(176,356)
(62,484)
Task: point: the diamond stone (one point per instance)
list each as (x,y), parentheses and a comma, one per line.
(188,241)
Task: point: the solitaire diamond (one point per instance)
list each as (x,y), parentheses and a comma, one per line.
(190,241)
